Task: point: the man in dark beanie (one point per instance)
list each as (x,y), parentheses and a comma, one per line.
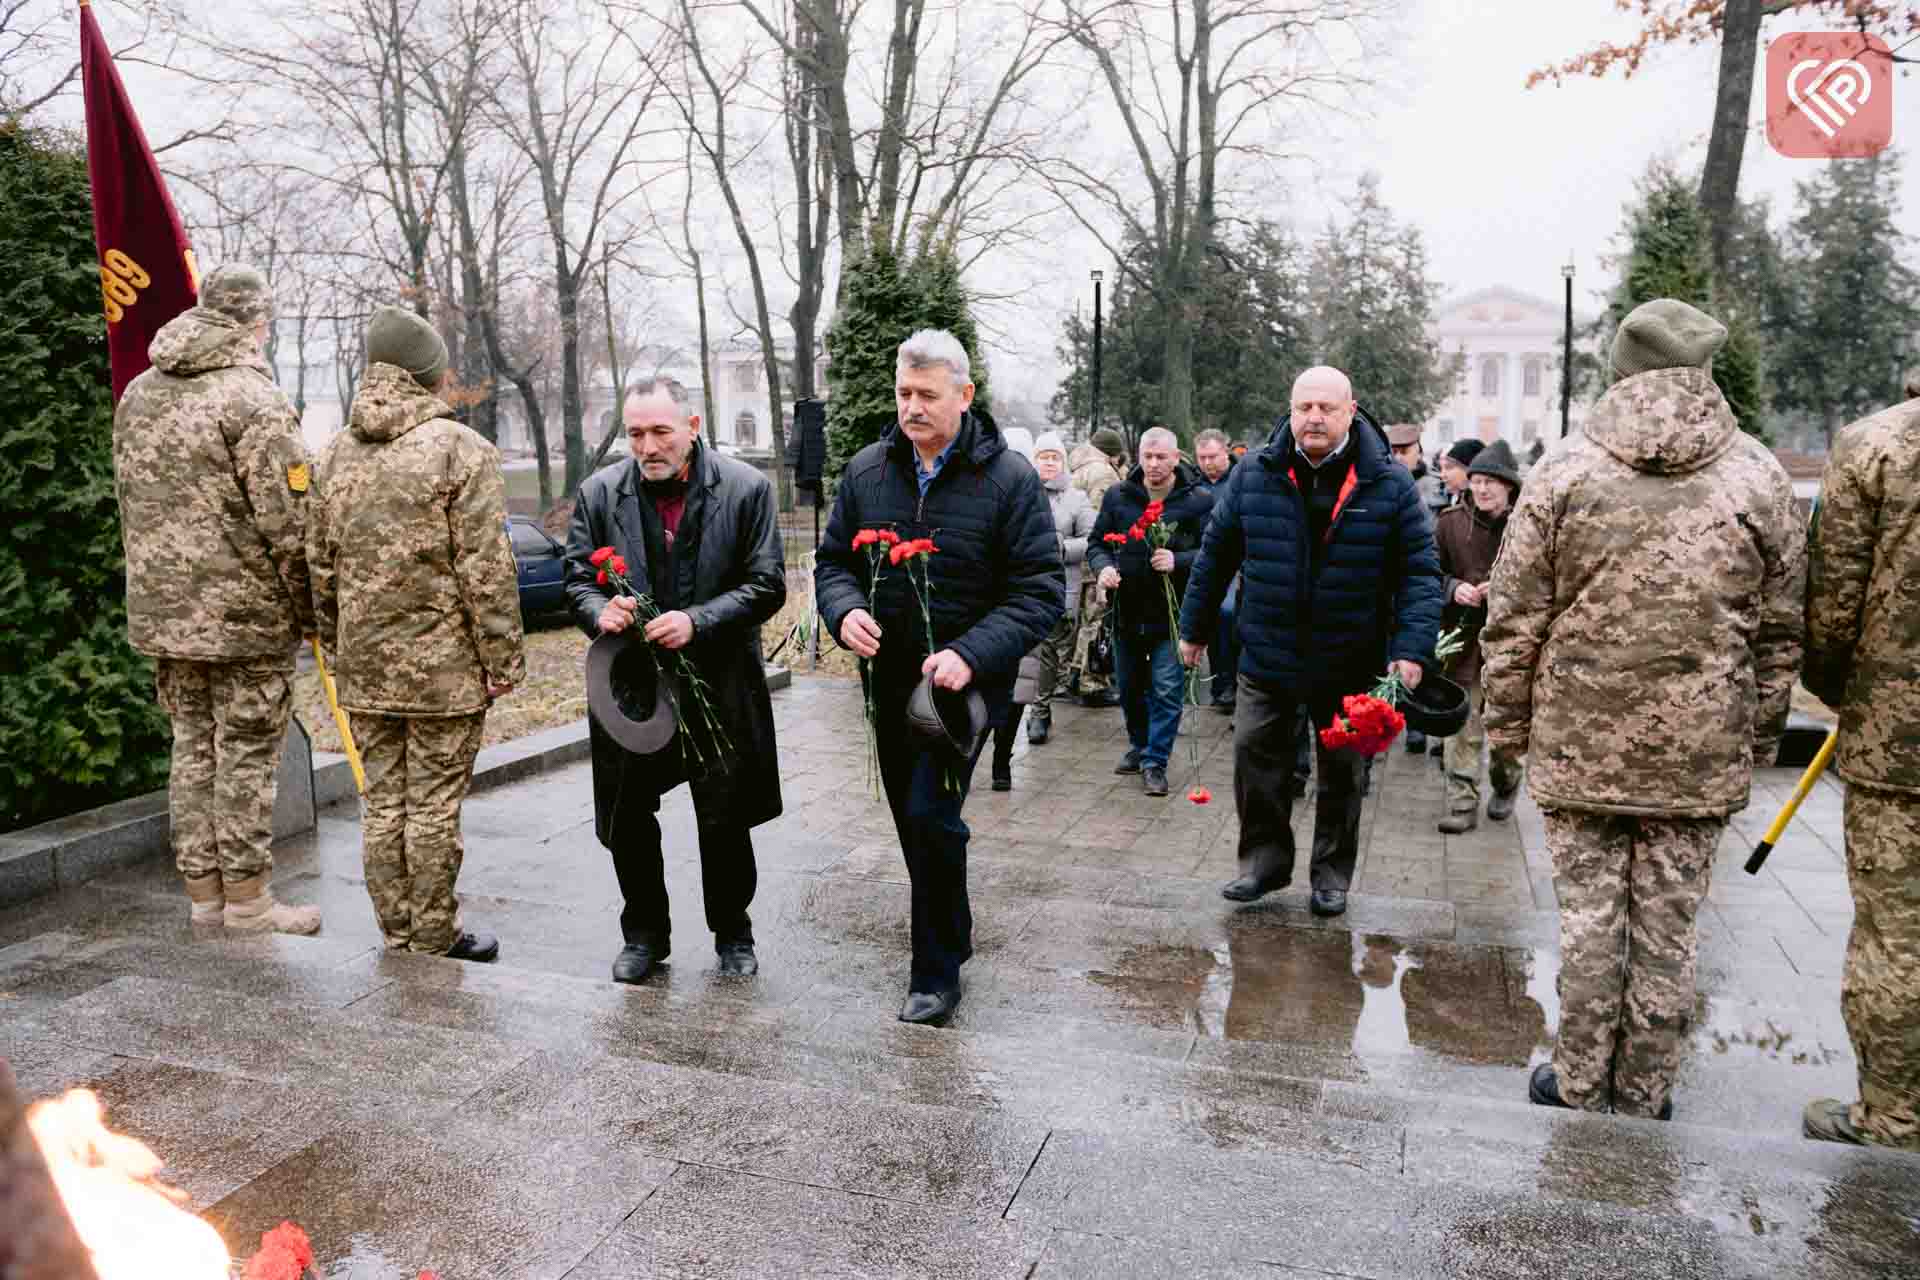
(1642,639)
(211,476)
(417,596)
(1468,538)
(1453,468)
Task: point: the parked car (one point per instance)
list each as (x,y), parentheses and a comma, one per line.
(542,568)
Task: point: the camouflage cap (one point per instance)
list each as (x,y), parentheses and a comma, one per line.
(398,336)
(1665,333)
(239,292)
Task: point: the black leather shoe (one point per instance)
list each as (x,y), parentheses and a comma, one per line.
(1153,780)
(1100,698)
(1225,706)
(930,1008)
(1500,807)
(635,962)
(1039,727)
(481,947)
(737,960)
(1543,1088)
(1328,902)
(1129,763)
(1002,780)
(1246,889)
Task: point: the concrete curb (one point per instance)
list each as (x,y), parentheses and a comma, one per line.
(84,846)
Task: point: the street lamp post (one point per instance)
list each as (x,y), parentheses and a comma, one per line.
(1093,417)
(1566,350)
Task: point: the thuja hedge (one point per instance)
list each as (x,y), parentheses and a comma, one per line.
(78,722)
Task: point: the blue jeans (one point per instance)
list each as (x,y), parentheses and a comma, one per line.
(1223,655)
(1152,686)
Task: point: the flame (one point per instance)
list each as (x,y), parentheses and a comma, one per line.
(130,1221)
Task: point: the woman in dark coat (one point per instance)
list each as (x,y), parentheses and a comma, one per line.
(699,533)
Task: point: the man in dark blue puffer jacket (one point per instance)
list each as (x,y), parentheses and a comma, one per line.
(998,588)
(1339,578)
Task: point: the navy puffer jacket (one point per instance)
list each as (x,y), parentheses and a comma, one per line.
(1141,599)
(1376,598)
(998,582)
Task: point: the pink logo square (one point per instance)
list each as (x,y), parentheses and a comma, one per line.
(1829,95)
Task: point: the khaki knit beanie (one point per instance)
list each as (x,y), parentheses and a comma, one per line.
(238,292)
(1665,334)
(1108,441)
(398,336)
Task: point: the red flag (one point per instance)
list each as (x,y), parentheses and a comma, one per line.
(147,272)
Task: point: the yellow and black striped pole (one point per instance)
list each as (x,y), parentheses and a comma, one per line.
(340,719)
(1807,779)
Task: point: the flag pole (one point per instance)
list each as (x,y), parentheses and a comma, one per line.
(340,719)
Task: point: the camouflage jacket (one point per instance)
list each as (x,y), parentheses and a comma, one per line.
(1093,475)
(1863,598)
(1644,623)
(413,576)
(211,475)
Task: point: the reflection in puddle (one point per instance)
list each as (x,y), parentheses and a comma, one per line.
(1381,1027)
(1543,988)
(1216,994)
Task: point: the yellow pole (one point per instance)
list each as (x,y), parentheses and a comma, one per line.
(1807,779)
(340,719)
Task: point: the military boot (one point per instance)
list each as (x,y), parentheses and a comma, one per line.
(1831,1120)
(251,908)
(208,896)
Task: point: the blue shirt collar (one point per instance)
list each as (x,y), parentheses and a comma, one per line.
(925,476)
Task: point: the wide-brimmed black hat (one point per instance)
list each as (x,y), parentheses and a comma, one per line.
(1438,707)
(627,692)
(949,718)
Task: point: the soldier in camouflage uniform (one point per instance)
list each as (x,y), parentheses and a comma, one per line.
(211,476)
(414,584)
(1863,659)
(1642,639)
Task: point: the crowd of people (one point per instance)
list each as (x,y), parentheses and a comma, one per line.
(1630,617)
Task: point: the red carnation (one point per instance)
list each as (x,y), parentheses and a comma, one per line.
(887,537)
(600,557)
(601,577)
(865,536)
(620,565)
(1200,795)
(285,1254)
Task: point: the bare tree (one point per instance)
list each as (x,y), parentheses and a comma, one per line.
(579,116)
(1195,83)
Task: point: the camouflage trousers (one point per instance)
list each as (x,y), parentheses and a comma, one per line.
(1465,758)
(229,723)
(418,770)
(1093,607)
(1630,890)
(1880,985)
(1055,652)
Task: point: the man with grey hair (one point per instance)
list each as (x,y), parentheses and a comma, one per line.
(701,540)
(996,589)
(1137,569)
(1214,454)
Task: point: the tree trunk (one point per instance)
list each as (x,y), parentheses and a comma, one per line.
(706,349)
(1720,180)
(572,409)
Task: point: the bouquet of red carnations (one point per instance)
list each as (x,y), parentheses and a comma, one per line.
(1371,721)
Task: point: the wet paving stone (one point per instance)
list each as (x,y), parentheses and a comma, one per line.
(387,1199)
(712,1223)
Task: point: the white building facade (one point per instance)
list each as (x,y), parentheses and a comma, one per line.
(1508,385)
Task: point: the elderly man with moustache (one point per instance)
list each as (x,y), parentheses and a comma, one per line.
(700,537)
(997,589)
(1339,580)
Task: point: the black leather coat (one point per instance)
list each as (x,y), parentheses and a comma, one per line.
(730,578)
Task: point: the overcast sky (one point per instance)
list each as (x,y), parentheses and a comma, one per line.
(1504,181)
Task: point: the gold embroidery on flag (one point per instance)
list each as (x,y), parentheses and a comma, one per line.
(121,279)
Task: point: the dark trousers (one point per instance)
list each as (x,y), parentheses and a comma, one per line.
(925,790)
(727,881)
(1264,744)
(1223,654)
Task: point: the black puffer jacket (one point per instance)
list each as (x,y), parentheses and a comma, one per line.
(998,582)
(1376,597)
(1142,600)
